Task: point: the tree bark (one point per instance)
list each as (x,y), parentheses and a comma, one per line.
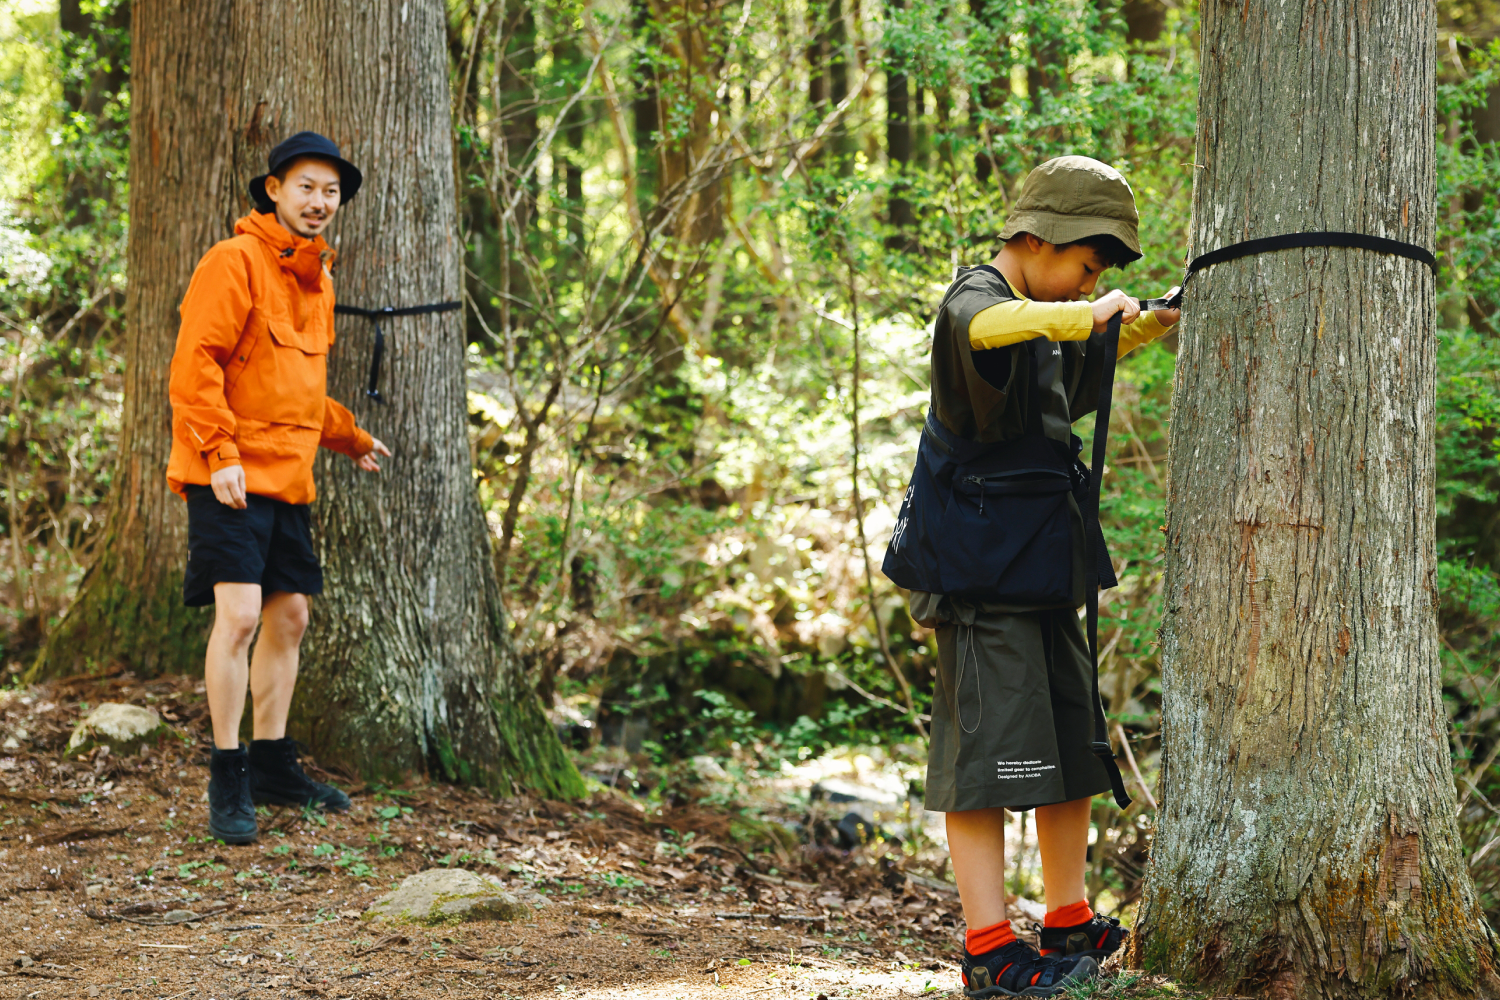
(692,34)
(1145,20)
(988,98)
(645,106)
(1307,843)
(129,605)
(407,663)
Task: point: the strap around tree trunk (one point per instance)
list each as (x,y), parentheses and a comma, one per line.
(1292,241)
(375,316)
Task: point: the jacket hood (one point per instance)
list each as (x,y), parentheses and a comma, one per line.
(304,258)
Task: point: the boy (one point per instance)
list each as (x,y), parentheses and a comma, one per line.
(1016,358)
(249,412)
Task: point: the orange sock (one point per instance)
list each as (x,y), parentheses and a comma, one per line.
(982,940)
(1069,916)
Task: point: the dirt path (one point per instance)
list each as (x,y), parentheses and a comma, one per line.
(632,955)
(107,887)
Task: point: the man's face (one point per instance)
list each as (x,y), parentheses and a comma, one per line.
(1065,274)
(307,199)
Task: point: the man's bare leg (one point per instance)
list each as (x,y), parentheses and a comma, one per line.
(277,777)
(1062,834)
(273,672)
(226,670)
(976,843)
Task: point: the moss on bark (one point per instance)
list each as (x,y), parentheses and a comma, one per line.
(536,758)
(117,618)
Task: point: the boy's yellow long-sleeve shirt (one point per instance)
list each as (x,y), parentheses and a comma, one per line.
(1007,323)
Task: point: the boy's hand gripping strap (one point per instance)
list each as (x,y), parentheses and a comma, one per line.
(375,316)
(1091,530)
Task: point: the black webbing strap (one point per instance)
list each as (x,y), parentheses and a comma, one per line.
(375,316)
(1292,241)
(1091,531)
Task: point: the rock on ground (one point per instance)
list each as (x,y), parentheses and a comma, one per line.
(123,727)
(446,895)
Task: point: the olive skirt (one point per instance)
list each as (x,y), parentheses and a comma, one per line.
(1012,719)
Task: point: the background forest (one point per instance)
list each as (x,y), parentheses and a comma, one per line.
(703,246)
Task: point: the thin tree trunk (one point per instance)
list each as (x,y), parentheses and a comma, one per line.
(898,143)
(94,43)
(1307,843)
(839,143)
(129,606)
(1145,20)
(645,108)
(1486,123)
(516,104)
(988,98)
(859,514)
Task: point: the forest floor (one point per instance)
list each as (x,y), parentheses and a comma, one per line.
(108,888)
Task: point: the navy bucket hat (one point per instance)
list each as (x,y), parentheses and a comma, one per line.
(306,144)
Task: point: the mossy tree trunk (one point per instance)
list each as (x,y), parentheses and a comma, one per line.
(407,663)
(129,607)
(1307,843)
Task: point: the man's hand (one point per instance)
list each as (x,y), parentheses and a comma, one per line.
(229,486)
(1169,317)
(367,460)
(1116,301)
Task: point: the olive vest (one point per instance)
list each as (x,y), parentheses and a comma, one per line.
(992,514)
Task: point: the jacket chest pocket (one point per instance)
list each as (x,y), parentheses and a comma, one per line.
(309,342)
(282,377)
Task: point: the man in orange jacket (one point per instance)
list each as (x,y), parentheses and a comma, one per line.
(249,411)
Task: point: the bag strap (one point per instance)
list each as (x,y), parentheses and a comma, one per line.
(375,316)
(1091,531)
(1033,391)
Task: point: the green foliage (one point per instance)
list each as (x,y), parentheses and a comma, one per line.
(678,228)
(1468,445)
(63,144)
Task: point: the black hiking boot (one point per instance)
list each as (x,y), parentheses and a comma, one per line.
(277,778)
(231,815)
(1098,939)
(1016,970)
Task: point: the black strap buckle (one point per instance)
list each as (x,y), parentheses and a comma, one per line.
(378,353)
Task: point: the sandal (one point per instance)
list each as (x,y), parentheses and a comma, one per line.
(1097,939)
(1016,970)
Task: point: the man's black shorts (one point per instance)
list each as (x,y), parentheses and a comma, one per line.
(269,543)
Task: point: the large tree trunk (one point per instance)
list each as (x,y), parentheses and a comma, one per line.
(1307,845)
(129,606)
(407,663)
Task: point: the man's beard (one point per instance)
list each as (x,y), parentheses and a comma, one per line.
(295,225)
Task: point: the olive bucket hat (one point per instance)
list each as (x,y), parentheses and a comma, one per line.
(1072,198)
(306,144)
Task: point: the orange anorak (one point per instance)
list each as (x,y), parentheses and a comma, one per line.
(249,377)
